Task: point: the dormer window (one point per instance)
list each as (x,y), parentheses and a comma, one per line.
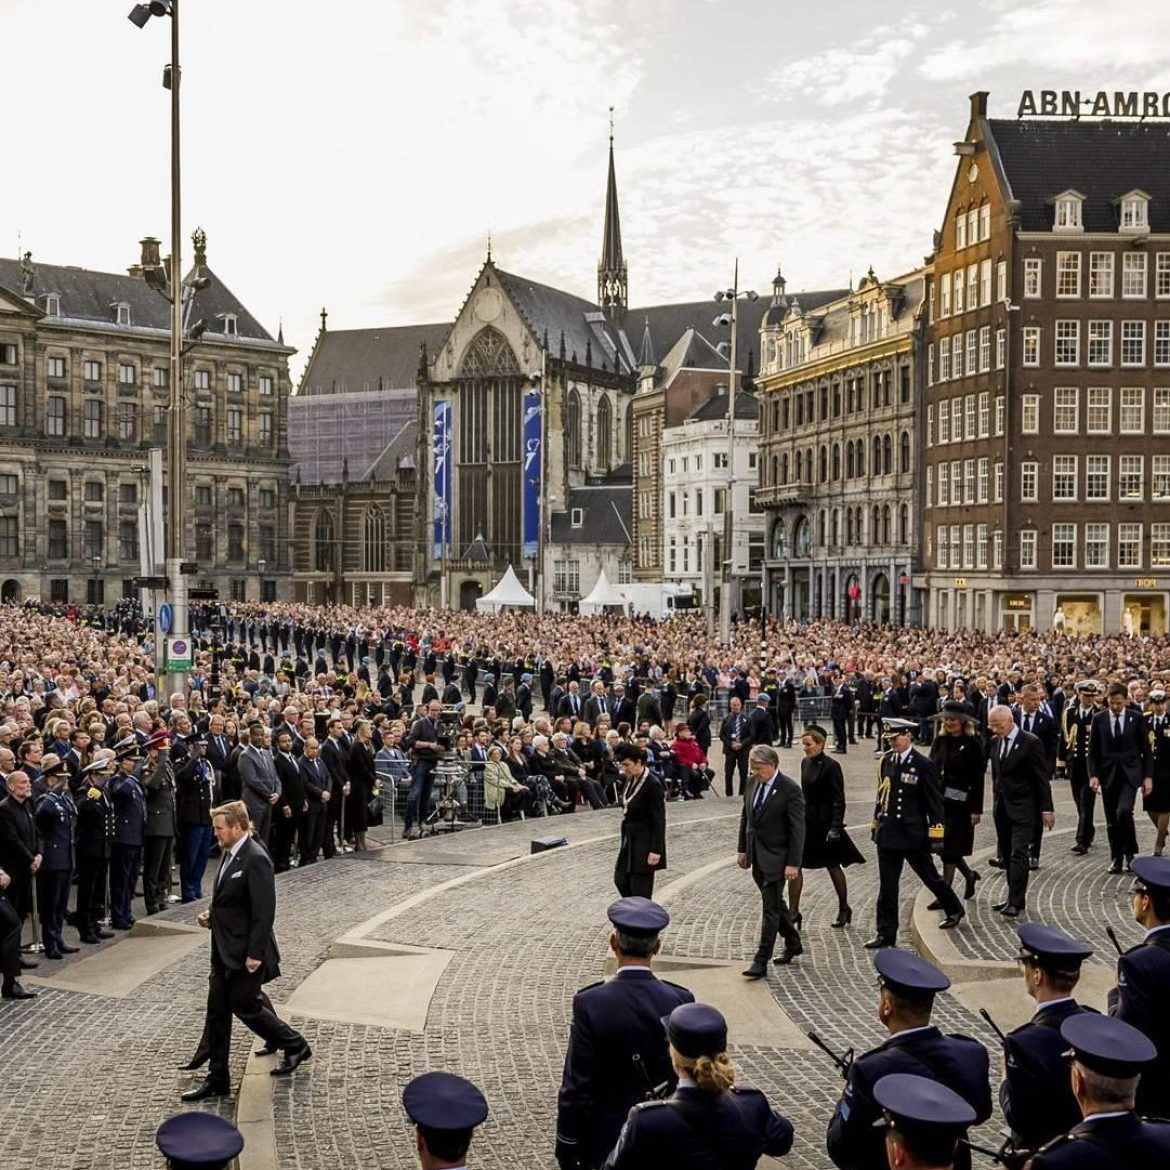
(1067,216)
(52,305)
(122,313)
(1135,212)
(230,325)
(577,517)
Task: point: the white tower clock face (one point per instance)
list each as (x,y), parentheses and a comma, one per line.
(973,173)
(488,305)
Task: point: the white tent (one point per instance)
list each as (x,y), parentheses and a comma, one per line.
(602,596)
(507,592)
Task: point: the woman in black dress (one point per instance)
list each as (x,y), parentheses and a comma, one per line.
(362,781)
(826,843)
(958,756)
(700,722)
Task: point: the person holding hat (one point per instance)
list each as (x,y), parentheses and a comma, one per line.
(1119,764)
(709,1120)
(907,987)
(1142,992)
(1035,1094)
(617,1052)
(827,844)
(198,1141)
(907,825)
(1156,802)
(445,1110)
(1110,1060)
(958,756)
(56,819)
(1073,752)
(925,1121)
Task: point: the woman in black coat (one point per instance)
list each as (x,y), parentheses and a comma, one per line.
(958,756)
(362,779)
(700,722)
(643,848)
(826,843)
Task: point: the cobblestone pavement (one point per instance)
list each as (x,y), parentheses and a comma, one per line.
(524,937)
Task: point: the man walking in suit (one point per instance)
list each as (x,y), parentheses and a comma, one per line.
(259,780)
(1077,725)
(733,734)
(1031,716)
(771,843)
(243,954)
(1119,764)
(1023,794)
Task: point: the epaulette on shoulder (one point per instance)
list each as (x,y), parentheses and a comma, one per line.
(676,986)
(643,1105)
(591,986)
(964,1036)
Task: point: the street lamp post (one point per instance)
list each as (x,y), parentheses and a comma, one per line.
(732,295)
(261,565)
(96,562)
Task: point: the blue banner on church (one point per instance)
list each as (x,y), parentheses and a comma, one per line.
(441,462)
(532,457)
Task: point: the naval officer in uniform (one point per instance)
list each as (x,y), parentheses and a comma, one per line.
(617,1052)
(445,1110)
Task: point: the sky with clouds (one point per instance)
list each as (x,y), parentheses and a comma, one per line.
(355,154)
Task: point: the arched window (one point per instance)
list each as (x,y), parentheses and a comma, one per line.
(904,459)
(886,524)
(903,525)
(627,452)
(836,462)
(835,528)
(784,468)
(821,517)
(849,526)
(779,541)
(875,527)
(323,542)
(875,466)
(374,541)
(849,465)
(573,429)
(604,434)
(823,467)
(775,469)
(802,537)
(887,455)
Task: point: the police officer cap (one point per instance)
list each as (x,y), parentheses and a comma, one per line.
(638,917)
(526,678)
(1157,695)
(908,975)
(912,1102)
(1088,684)
(1049,947)
(763,698)
(696,1029)
(892,727)
(1107,1045)
(203,1140)
(442,1100)
(1153,873)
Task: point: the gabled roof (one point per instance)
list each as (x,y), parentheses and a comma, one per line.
(89,297)
(746,408)
(398,453)
(607,514)
(1043,158)
(356,360)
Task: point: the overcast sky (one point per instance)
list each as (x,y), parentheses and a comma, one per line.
(356,153)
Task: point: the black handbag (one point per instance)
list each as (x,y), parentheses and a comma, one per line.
(374,810)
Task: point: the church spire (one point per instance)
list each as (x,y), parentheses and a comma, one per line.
(612,283)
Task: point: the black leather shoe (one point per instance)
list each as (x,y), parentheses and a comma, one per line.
(935,905)
(15,991)
(1033,863)
(952,920)
(291,1061)
(997,863)
(876,944)
(104,934)
(55,955)
(267,1050)
(1080,849)
(1114,867)
(969,891)
(999,907)
(29,965)
(204,1090)
(197,1061)
(756,971)
(1010,912)
(66,949)
(787,955)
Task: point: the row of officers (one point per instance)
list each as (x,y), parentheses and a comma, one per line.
(648,1081)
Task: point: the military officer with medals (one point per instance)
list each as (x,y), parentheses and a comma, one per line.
(56,817)
(617,1053)
(907,827)
(1036,1094)
(1156,802)
(1110,1062)
(1073,752)
(95,838)
(1142,994)
(908,986)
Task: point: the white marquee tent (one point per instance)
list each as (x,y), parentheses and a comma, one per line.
(602,597)
(507,592)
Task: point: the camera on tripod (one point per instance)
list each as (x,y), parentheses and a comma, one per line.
(448,726)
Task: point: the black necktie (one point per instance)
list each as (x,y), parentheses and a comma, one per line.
(1117,726)
(1027,722)
(1003,751)
(759,799)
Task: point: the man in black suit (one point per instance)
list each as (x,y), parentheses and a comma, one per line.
(1023,794)
(259,780)
(771,844)
(1120,764)
(760,724)
(289,811)
(318,788)
(840,709)
(598,703)
(1076,731)
(20,843)
(571,703)
(624,708)
(1030,715)
(733,735)
(243,954)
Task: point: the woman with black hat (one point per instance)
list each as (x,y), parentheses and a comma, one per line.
(958,756)
(826,843)
(709,1121)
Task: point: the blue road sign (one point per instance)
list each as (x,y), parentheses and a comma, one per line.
(165,617)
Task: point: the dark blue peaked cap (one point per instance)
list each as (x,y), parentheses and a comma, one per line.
(442,1100)
(198,1141)
(907,974)
(638,916)
(1047,945)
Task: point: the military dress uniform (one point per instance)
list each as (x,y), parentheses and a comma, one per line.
(907,824)
(129,801)
(56,817)
(958,1062)
(695,1129)
(95,836)
(617,1047)
(1035,1095)
(1073,752)
(1143,993)
(1118,1138)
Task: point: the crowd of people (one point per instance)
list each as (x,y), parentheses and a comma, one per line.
(312,716)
